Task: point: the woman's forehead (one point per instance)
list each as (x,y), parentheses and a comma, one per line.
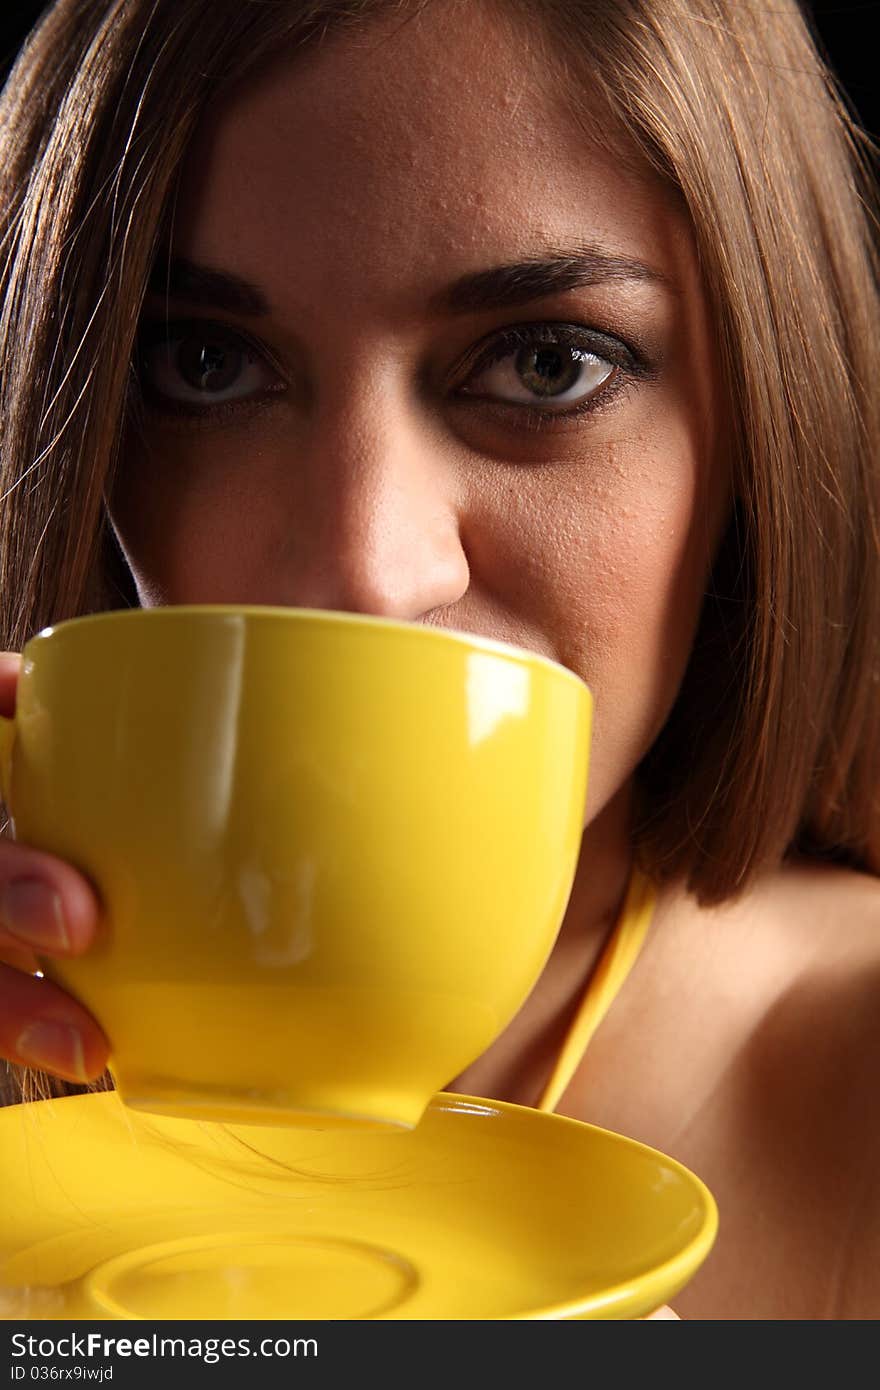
(407,155)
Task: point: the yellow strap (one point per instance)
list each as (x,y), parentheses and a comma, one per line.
(617,959)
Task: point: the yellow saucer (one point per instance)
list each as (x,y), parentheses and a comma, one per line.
(485,1210)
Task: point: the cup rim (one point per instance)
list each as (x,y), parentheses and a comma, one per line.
(171,612)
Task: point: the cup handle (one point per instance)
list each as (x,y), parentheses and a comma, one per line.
(7,739)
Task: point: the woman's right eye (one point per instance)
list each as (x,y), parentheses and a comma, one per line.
(200,365)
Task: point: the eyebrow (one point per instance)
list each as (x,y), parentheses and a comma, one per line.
(500,287)
(537,277)
(178,278)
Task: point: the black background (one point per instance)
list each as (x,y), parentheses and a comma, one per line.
(846,30)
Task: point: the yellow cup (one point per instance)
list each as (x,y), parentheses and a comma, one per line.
(334,851)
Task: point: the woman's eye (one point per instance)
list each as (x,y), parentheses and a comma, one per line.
(202,365)
(546,366)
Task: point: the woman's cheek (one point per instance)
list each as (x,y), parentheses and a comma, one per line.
(635,587)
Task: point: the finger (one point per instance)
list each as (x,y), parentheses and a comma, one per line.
(663,1313)
(46,905)
(42,1026)
(19,957)
(10,665)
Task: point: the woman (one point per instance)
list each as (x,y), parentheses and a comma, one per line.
(559,330)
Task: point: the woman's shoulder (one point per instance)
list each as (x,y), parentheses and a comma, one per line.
(791,971)
(815,929)
(818,1047)
(826,919)
(821,891)
(810,918)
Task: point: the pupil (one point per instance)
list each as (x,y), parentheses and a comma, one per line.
(548,371)
(209,366)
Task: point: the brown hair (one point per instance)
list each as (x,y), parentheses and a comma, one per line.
(771,748)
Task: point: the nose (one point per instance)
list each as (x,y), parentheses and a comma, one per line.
(379,531)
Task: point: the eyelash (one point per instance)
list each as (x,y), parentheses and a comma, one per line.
(627,359)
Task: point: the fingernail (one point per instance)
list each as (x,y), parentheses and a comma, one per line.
(53,1046)
(32,911)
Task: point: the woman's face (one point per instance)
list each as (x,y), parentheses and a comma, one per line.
(426,353)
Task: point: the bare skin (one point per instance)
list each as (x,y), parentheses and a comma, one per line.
(754,1063)
(371,468)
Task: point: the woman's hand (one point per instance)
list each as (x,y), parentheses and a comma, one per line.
(663,1313)
(46,908)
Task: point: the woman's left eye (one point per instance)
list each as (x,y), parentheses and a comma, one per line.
(202,364)
(554,368)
